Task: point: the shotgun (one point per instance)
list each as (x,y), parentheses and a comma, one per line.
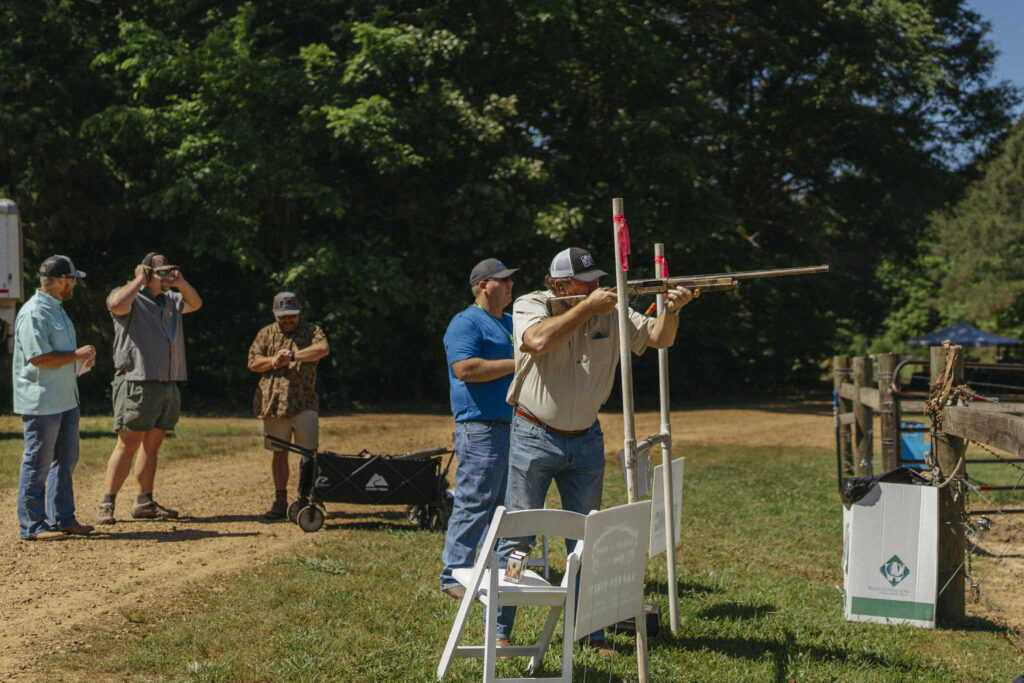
(718,282)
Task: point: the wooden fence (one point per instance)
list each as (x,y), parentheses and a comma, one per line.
(862,393)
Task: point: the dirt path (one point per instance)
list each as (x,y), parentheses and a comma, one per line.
(47,587)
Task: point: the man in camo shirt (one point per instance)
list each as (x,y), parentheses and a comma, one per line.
(285,353)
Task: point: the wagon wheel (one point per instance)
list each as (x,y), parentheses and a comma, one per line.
(418,515)
(310,518)
(293,510)
(438,519)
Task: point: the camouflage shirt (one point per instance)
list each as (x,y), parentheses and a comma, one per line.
(289,390)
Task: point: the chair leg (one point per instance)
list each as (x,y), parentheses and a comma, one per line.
(454,635)
(641,646)
(491,624)
(545,637)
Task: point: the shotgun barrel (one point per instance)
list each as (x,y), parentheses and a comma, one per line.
(718,282)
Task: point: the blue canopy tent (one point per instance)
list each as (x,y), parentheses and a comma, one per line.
(964,335)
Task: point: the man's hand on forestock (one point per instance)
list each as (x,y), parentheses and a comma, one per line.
(601,301)
(678,297)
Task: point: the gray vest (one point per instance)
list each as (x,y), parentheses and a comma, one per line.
(149,343)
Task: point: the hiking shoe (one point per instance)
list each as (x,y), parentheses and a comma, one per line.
(106,514)
(279,510)
(152,510)
(77,529)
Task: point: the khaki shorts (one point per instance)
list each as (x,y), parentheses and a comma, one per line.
(305,426)
(141,406)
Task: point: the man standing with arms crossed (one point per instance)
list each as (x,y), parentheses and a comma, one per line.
(149,361)
(44,369)
(565,369)
(478,346)
(285,353)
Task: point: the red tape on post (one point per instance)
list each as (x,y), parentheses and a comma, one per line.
(660,261)
(622,234)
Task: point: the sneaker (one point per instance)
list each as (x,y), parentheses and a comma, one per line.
(279,510)
(152,510)
(106,514)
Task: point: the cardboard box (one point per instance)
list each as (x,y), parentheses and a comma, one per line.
(890,555)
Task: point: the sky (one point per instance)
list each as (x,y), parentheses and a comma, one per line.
(1007,19)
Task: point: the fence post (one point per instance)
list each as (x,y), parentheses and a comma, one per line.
(887,412)
(950,605)
(863,374)
(841,374)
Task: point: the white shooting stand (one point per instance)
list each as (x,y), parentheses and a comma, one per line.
(630,446)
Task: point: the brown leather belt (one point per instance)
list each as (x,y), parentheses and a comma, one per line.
(569,434)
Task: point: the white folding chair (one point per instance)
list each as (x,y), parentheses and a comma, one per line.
(486,582)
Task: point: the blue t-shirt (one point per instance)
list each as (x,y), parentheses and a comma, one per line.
(475,333)
(42,326)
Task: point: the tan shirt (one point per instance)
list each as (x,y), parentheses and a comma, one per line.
(567,386)
(289,390)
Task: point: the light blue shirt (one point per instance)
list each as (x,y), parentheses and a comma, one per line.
(42,326)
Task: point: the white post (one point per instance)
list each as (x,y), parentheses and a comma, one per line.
(666,460)
(625,362)
(628,426)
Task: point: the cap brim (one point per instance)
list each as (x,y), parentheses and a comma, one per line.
(78,273)
(589,276)
(289,311)
(508,272)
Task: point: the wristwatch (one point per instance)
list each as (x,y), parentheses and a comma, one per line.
(293,356)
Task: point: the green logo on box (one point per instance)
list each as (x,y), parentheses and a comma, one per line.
(894,570)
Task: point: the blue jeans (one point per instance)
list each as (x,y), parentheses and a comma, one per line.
(51,453)
(535,459)
(482,451)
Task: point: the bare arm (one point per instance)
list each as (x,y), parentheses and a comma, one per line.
(120,300)
(482,370)
(193,302)
(663,334)
(313,352)
(55,359)
(550,333)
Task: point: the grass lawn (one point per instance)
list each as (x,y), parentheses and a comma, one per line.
(759,581)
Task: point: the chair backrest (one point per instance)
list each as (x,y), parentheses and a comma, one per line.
(561,523)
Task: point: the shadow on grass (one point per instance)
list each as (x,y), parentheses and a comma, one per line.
(170,536)
(735,610)
(781,652)
(225,519)
(340,524)
(87,434)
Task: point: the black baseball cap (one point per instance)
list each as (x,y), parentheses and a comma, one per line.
(575,263)
(59,266)
(490,269)
(286,303)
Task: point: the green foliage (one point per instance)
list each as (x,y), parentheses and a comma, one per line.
(366,155)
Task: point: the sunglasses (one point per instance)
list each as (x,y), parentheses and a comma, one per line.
(164,272)
(70,277)
(288,317)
